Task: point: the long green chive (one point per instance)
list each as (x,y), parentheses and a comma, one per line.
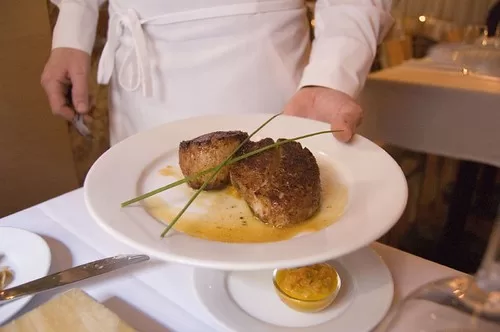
(232,161)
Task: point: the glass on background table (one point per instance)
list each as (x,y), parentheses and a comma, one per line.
(480,54)
(460,304)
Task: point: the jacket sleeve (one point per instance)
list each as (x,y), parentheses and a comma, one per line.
(347,33)
(76,24)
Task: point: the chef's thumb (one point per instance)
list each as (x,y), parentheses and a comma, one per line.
(80,90)
(342,131)
(347,119)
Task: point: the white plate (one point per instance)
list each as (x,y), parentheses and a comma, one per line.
(377,194)
(28,256)
(246,301)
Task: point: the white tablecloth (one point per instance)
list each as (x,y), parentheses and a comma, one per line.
(158,296)
(439,111)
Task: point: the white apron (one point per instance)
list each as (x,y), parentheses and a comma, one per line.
(235,57)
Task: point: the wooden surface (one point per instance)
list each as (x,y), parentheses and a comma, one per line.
(72,311)
(437,78)
(36,162)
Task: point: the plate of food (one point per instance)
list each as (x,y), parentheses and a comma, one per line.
(245,192)
(24,256)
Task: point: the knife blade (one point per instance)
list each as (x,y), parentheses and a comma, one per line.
(81,127)
(78,120)
(70,276)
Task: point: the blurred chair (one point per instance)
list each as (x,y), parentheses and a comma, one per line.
(394,52)
(455,35)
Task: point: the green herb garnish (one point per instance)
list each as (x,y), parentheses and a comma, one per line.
(232,161)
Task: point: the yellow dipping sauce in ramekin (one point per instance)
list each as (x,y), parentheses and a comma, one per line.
(308,289)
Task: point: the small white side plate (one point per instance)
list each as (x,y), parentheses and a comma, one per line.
(246,301)
(28,256)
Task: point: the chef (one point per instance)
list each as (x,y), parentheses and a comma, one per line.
(169,60)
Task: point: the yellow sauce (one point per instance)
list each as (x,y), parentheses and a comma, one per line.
(169,171)
(309,283)
(6,277)
(227,218)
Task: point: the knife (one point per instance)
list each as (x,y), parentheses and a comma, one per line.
(77,121)
(70,276)
(81,127)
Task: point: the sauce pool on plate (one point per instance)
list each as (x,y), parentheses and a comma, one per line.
(6,277)
(223,216)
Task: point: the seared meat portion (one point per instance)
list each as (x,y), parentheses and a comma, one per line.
(281,185)
(207,151)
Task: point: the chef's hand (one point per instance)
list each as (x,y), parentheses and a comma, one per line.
(327,105)
(65,68)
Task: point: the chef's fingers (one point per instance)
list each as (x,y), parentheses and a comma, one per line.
(345,133)
(347,119)
(55,91)
(80,89)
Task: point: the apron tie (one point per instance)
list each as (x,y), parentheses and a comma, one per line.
(136,61)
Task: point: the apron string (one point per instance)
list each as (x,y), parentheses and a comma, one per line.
(225,10)
(141,54)
(107,60)
(139,70)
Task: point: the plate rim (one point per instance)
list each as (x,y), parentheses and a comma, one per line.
(22,302)
(368,250)
(399,178)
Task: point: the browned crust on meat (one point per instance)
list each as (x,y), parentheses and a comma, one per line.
(208,151)
(282,185)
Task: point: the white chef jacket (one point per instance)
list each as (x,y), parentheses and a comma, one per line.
(346,36)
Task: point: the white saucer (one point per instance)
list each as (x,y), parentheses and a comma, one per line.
(246,301)
(28,256)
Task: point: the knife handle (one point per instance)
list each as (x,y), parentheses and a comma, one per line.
(70,276)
